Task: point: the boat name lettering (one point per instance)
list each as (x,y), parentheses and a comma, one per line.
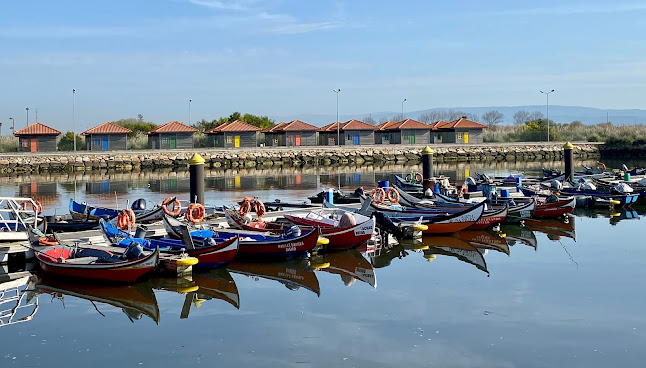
(291,245)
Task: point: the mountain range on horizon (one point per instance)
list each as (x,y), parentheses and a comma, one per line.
(557,114)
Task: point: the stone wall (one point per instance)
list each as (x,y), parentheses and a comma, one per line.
(265,158)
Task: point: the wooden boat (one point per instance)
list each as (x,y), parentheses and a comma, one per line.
(56,224)
(85,212)
(407,185)
(340,237)
(517,211)
(546,209)
(209,252)
(293,273)
(134,300)
(96,264)
(257,245)
(351,266)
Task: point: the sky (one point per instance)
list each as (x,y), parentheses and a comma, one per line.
(285,57)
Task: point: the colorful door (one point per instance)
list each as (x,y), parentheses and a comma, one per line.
(105,144)
(356,139)
(412,138)
(173,142)
(298,139)
(33,145)
(466,137)
(236,141)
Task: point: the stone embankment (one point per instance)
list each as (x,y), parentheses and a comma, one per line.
(285,157)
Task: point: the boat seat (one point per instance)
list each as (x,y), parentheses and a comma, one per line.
(81,260)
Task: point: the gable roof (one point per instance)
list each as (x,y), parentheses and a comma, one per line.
(36,129)
(434,125)
(462,122)
(329,127)
(407,124)
(355,124)
(297,125)
(234,126)
(107,128)
(172,127)
(276,128)
(385,125)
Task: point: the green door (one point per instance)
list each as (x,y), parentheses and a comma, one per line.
(173,142)
(412,138)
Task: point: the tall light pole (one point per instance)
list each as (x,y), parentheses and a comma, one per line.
(403,109)
(13,122)
(74,115)
(189,110)
(27,108)
(547,105)
(338,124)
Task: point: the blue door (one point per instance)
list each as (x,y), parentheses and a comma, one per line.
(356,139)
(105,144)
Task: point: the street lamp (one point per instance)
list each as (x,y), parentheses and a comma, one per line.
(547,105)
(27,108)
(74,115)
(189,110)
(13,122)
(338,124)
(403,109)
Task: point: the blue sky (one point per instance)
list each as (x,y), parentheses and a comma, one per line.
(284,57)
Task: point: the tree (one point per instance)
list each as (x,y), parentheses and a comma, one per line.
(66,143)
(492,119)
(140,117)
(536,115)
(520,117)
(576,124)
(397,118)
(137,126)
(432,117)
(369,120)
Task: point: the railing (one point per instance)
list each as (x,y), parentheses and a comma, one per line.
(16,213)
(15,302)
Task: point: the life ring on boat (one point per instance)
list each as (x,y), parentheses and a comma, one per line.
(378,195)
(601,165)
(259,208)
(48,241)
(126,219)
(462,192)
(245,207)
(195,212)
(418,178)
(177,207)
(392,195)
(35,206)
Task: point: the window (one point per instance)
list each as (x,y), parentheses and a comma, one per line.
(275,140)
(460,135)
(229,139)
(349,137)
(386,137)
(165,140)
(25,143)
(96,142)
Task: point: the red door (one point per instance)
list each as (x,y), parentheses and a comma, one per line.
(298,140)
(34,145)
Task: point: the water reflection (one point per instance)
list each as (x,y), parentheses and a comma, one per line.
(351,266)
(614,215)
(294,274)
(18,302)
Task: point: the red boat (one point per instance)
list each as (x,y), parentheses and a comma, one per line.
(95,264)
(546,209)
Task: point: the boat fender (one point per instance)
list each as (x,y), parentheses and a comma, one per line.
(177,207)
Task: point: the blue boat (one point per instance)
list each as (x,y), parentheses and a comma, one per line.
(407,185)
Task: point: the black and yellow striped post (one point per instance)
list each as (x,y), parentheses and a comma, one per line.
(196,172)
(569,161)
(427,166)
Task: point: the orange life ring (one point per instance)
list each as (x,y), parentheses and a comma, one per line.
(177,207)
(195,212)
(259,208)
(418,178)
(601,165)
(245,207)
(462,192)
(392,195)
(378,195)
(126,219)
(48,241)
(35,205)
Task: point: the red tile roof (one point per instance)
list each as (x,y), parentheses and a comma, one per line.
(407,124)
(234,126)
(172,127)
(297,125)
(355,124)
(276,128)
(437,123)
(329,127)
(460,123)
(107,128)
(384,125)
(36,129)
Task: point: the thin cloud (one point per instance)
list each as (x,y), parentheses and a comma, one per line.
(572,10)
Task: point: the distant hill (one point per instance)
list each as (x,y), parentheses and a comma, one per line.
(559,114)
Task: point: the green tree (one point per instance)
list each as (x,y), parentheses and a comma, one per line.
(66,143)
(137,126)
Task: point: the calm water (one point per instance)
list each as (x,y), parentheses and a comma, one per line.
(568,294)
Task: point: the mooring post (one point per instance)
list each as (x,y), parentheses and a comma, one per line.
(567,156)
(427,166)
(196,172)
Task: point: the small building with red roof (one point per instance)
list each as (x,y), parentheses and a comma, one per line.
(37,137)
(462,130)
(407,131)
(106,137)
(236,134)
(294,133)
(351,133)
(173,135)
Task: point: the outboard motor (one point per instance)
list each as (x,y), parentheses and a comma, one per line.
(359,192)
(139,205)
(555,184)
(470,181)
(552,198)
(133,251)
(292,231)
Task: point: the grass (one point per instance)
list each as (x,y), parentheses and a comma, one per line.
(604,132)
(8,143)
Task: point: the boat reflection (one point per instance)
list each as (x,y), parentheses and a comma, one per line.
(294,273)
(350,265)
(519,234)
(134,300)
(18,301)
(553,228)
(217,284)
(454,246)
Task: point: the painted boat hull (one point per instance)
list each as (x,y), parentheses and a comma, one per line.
(551,210)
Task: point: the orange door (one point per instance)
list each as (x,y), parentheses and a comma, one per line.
(298,140)
(34,145)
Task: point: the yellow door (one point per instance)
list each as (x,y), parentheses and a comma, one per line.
(466,137)
(236,141)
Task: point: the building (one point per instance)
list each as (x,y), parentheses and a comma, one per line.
(235,134)
(37,137)
(106,137)
(171,136)
(462,131)
(352,132)
(407,131)
(294,133)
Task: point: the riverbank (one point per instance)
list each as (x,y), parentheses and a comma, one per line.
(266,157)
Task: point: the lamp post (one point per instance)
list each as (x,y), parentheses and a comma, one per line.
(338,124)
(189,110)
(547,105)
(13,122)
(27,108)
(74,115)
(403,109)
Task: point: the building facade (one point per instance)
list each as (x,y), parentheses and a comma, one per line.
(106,137)
(460,131)
(236,134)
(407,132)
(37,137)
(173,135)
(351,133)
